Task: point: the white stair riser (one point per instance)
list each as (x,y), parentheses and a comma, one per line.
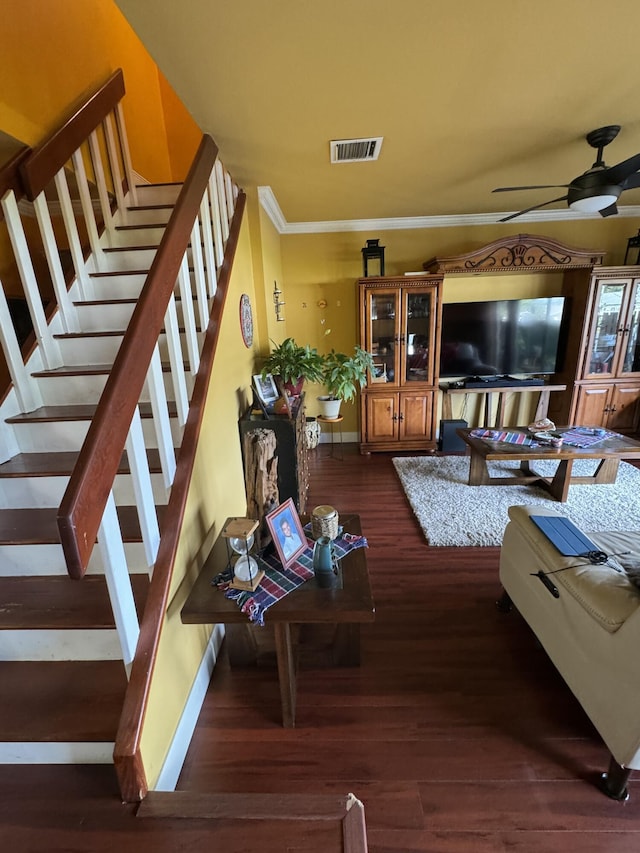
(58,645)
(134,259)
(103,349)
(78,390)
(52,437)
(147,216)
(37,560)
(136,237)
(118,287)
(104,317)
(157,194)
(20,492)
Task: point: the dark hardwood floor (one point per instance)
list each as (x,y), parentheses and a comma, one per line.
(456,731)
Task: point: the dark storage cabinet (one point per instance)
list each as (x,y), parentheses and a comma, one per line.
(291,449)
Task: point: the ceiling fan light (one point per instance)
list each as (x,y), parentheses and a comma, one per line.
(592,204)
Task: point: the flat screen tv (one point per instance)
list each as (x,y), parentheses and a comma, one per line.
(505,337)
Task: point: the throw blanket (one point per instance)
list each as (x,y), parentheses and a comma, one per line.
(278,581)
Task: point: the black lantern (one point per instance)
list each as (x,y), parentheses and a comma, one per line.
(633,243)
(373,252)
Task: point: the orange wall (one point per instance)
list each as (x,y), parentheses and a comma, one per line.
(55,52)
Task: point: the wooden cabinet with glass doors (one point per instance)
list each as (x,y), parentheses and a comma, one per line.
(400,327)
(608,381)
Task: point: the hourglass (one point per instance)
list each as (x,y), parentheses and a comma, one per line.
(239,535)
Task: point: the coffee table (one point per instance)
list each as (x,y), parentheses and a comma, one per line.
(346,606)
(609,452)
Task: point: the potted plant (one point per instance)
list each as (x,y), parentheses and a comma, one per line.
(343,375)
(293,364)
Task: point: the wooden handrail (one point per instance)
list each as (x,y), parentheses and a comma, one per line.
(10,178)
(127,759)
(48,158)
(83,503)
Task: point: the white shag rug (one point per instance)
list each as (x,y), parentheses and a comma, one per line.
(451,512)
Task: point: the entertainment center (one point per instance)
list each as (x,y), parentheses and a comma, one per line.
(583,342)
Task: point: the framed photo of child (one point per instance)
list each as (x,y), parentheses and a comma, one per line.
(286,530)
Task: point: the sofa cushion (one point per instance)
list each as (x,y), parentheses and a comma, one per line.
(604,591)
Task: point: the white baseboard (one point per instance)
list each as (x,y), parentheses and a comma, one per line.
(168,778)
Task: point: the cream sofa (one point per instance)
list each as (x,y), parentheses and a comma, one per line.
(587,618)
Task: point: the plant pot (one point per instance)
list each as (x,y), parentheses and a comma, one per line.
(329,408)
(294,389)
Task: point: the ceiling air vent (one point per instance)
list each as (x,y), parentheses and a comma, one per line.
(355,150)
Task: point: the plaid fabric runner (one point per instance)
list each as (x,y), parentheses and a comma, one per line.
(585,436)
(278,581)
(503,435)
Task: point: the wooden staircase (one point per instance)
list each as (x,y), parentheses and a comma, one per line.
(92,486)
(61,663)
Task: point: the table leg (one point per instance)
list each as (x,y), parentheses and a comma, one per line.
(559,486)
(346,644)
(607,471)
(286,673)
(242,649)
(478,471)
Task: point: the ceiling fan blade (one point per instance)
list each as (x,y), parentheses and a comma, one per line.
(535,207)
(609,211)
(621,171)
(539,187)
(632,181)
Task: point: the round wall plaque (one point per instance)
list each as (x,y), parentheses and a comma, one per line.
(246,320)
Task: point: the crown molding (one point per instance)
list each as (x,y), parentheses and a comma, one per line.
(272,209)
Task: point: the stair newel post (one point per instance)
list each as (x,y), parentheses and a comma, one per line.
(188,319)
(172,334)
(218,240)
(161,422)
(51,356)
(143,489)
(68,313)
(198,272)
(26,388)
(87,209)
(210,263)
(71,228)
(118,581)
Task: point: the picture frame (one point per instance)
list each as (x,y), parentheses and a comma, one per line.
(280,520)
(265,388)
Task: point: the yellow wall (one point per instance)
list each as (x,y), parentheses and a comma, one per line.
(216,492)
(55,53)
(327,266)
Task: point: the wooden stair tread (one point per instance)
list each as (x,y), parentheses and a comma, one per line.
(38,525)
(72,336)
(61,464)
(77,412)
(75,701)
(58,602)
(85,370)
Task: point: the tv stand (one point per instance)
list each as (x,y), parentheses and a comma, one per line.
(503,391)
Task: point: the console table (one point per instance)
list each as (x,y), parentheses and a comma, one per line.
(503,392)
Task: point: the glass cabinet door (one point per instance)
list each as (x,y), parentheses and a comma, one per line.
(383,333)
(604,339)
(630,363)
(417,342)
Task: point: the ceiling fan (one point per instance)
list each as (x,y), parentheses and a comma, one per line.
(598,189)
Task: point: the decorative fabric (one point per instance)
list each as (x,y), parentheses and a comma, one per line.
(508,436)
(278,581)
(585,436)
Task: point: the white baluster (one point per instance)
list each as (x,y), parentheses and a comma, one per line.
(161,422)
(142,488)
(114,164)
(126,156)
(26,387)
(198,271)
(67,309)
(87,209)
(229,195)
(51,356)
(101,183)
(176,360)
(210,263)
(85,287)
(224,220)
(186,300)
(215,213)
(118,581)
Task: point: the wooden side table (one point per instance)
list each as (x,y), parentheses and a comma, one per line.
(333,423)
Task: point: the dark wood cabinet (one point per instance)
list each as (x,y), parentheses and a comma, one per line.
(291,449)
(400,326)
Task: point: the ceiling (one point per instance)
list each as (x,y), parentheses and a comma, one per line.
(467,95)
